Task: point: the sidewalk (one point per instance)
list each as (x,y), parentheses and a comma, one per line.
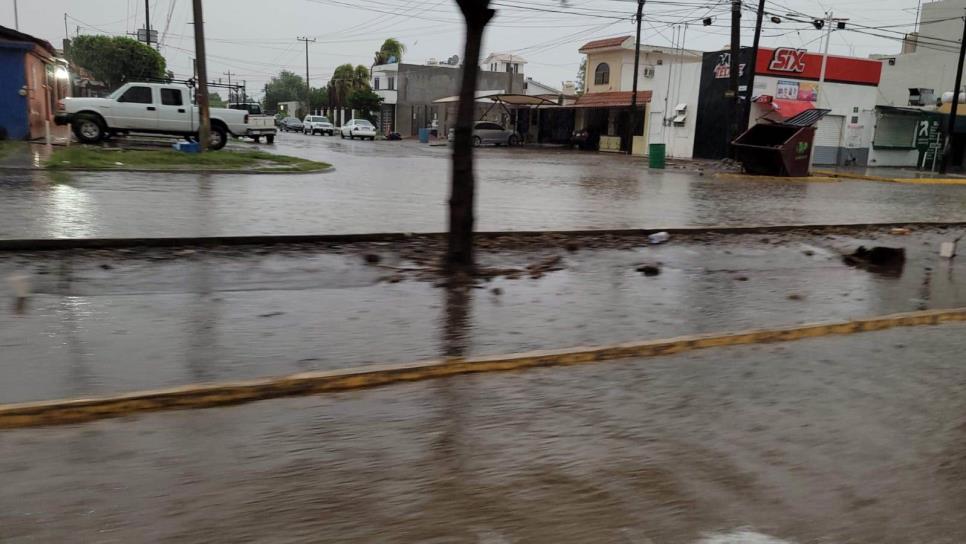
(892,175)
(106,322)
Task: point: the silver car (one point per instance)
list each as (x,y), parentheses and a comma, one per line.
(487,132)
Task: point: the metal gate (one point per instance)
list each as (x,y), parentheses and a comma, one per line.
(828,139)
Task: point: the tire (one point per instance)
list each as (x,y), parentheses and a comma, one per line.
(477,142)
(218,138)
(88,129)
(270,139)
(257,139)
(342,135)
(372,138)
(513,140)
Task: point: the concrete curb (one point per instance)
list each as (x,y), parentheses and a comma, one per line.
(60,244)
(751,177)
(59,412)
(917,181)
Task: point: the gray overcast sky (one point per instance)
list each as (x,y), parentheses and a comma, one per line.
(256,38)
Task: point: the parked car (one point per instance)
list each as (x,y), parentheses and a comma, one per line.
(358,128)
(487,132)
(150,108)
(291,124)
(317,124)
(259,123)
(586,139)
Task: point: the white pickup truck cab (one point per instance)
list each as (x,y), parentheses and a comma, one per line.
(152,108)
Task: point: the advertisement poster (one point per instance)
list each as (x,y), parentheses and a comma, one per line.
(786,90)
(808,91)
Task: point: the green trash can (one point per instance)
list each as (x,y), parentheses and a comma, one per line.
(656,155)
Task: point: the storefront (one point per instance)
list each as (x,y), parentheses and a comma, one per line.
(787,83)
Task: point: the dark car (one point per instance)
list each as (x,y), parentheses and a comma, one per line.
(586,139)
(291,124)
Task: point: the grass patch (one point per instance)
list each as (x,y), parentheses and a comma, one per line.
(6,146)
(98,158)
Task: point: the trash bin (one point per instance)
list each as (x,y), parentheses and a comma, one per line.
(424,135)
(656,155)
(779,149)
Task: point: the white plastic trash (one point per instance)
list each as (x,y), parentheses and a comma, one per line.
(947,250)
(20,283)
(659,237)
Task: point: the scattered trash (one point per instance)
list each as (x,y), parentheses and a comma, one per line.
(496,291)
(649,270)
(372,258)
(741,278)
(106,266)
(572,246)
(878,258)
(659,238)
(20,284)
(900,231)
(272,314)
(118,164)
(947,250)
(795,296)
(808,252)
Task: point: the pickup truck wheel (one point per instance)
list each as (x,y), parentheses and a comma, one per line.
(270,139)
(218,138)
(257,139)
(88,129)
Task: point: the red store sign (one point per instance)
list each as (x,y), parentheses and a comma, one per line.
(799,64)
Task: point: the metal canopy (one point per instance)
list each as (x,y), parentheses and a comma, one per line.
(500,97)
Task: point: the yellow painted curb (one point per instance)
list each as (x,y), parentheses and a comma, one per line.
(752,177)
(59,412)
(918,181)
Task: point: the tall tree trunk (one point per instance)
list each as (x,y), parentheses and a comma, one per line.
(459,254)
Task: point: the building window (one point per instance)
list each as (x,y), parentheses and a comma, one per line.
(602,74)
(375,84)
(509,68)
(391,83)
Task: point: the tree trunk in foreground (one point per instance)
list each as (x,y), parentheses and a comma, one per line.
(459,254)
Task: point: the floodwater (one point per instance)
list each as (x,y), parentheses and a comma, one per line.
(403,187)
(102,322)
(855,439)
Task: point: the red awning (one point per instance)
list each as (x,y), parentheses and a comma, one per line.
(790,108)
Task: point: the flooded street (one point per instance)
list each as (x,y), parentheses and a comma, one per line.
(854,439)
(403,186)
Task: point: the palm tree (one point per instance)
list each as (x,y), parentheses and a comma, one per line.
(390,48)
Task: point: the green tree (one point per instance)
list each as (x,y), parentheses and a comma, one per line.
(215,100)
(116,60)
(346,79)
(390,48)
(581,77)
(286,87)
(365,102)
(318,98)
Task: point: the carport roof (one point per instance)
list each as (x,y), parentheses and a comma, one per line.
(503,98)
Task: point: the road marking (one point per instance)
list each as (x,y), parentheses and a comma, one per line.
(60,412)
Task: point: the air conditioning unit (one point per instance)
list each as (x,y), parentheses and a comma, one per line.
(648,71)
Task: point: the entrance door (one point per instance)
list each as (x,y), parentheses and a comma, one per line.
(828,139)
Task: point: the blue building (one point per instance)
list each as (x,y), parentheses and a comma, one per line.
(32,81)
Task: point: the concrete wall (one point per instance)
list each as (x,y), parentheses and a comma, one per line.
(418,87)
(615,59)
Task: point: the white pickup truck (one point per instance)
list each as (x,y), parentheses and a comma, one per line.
(259,124)
(152,108)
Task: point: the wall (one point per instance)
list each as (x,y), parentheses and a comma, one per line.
(418,87)
(13,107)
(615,59)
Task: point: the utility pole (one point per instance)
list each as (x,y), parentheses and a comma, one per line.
(948,148)
(735,72)
(147,21)
(753,65)
(829,21)
(228,73)
(632,122)
(308,86)
(204,121)
(16,17)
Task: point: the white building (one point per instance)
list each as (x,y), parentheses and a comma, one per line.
(503,62)
(671,76)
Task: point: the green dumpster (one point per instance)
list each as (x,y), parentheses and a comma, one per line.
(656,154)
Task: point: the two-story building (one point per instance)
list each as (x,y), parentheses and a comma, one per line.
(668,85)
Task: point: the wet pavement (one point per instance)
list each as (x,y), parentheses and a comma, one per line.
(855,439)
(403,186)
(109,322)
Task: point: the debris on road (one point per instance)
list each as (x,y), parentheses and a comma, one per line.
(947,250)
(900,231)
(658,238)
(879,257)
(372,258)
(649,270)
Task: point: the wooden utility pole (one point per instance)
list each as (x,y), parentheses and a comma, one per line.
(147,21)
(632,122)
(308,86)
(228,73)
(204,115)
(752,66)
